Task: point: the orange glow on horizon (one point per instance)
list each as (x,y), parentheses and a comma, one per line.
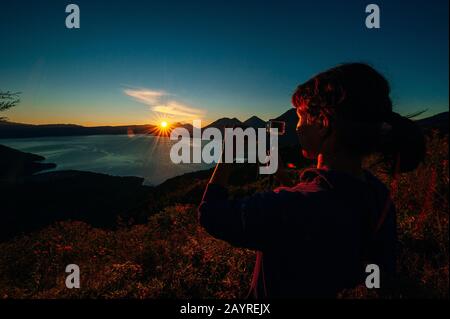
(162,129)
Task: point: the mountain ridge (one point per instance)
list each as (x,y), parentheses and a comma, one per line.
(23,130)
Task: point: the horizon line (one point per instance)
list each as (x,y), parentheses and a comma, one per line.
(7,120)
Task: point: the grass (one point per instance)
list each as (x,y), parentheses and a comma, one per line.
(172,257)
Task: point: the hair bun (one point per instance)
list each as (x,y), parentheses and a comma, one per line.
(402,143)
(393,118)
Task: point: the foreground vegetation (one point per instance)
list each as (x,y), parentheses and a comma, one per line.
(172,257)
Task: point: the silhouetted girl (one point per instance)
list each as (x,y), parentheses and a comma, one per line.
(316,238)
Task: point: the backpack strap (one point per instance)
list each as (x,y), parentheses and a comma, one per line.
(388,203)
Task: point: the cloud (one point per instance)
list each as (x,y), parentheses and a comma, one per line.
(154,99)
(148,97)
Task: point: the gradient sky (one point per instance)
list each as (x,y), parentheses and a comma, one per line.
(132,60)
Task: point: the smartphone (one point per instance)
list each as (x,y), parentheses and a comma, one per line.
(275,124)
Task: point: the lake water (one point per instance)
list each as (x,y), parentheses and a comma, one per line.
(121,155)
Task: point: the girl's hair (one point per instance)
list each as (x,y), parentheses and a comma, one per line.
(355,100)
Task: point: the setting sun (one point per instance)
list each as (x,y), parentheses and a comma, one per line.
(163,128)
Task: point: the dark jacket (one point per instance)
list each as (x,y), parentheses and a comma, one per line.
(313,239)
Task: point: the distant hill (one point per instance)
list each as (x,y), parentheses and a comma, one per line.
(438,121)
(225,122)
(15,165)
(255,122)
(187,126)
(18,130)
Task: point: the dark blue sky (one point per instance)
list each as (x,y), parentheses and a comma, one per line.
(132,60)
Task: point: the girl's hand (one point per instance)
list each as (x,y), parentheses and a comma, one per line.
(281,174)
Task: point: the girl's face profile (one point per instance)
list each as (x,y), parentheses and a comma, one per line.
(308,134)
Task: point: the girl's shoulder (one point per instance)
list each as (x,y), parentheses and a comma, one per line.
(311,180)
(315,180)
(325,179)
